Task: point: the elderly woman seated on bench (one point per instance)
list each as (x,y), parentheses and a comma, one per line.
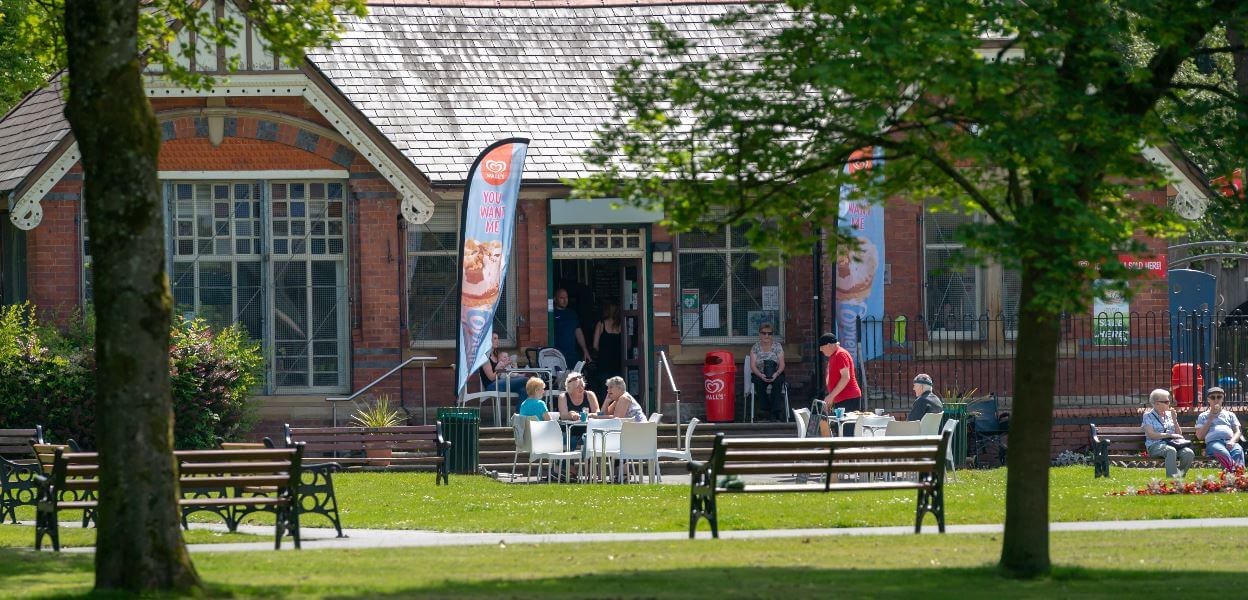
(1163,436)
(1220,430)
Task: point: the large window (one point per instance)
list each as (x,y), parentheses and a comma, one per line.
(957,294)
(723,297)
(432,282)
(220,234)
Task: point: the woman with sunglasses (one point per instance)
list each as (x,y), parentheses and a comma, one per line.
(576,399)
(767,372)
(1220,429)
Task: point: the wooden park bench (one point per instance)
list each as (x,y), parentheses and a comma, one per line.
(17,470)
(1125,446)
(922,457)
(395,448)
(76,474)
(316,493)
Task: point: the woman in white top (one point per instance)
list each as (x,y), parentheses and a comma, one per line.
(621,404)
(1162,431)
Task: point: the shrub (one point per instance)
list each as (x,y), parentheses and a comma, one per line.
(211,375)
(47,378)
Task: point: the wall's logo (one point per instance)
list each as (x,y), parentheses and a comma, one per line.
(496,165)
(714,387)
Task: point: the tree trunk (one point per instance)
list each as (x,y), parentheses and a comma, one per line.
(139,544)
(1025,549)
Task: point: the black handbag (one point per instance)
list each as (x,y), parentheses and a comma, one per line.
(1179,444)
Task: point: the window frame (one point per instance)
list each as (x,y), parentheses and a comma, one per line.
(266,260)
(506,338)
(982,272)
(728,251)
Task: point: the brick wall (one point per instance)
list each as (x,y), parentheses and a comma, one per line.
(54,260)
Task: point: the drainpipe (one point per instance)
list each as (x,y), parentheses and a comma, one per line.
(817,257)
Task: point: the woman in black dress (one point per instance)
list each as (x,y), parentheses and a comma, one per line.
(607,346)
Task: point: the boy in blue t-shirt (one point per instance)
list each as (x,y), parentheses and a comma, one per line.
(534,406)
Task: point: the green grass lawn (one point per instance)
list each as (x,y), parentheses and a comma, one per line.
(23,536)
(1094,564)
(473,504)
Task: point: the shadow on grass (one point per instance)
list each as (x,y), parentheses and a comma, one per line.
(783,582)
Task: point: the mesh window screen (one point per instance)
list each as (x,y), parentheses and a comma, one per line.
(309,283)
(218,239)
(216,243)
(1011,287)
(432,285)
(951,291)
(730,290)
(952,287)
(747,296)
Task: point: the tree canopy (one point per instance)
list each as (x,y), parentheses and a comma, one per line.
(1036,115)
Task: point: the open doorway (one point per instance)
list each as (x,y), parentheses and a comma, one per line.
(597,289)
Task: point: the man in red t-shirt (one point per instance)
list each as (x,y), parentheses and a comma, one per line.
(843,390)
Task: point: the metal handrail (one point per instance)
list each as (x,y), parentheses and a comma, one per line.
(424,395)
(671,380)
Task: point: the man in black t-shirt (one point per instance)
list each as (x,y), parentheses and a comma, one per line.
(925,400)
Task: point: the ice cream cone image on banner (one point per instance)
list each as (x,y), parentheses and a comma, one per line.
(482,277)
(855,275)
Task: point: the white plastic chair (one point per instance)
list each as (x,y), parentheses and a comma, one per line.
(482,397)
(750,393)
(686,454)
(639,444)
(656,417)
(870,426)
(895,428)
(802,417)
(520,432)
(930,424)
(546,439)
(599,445)
(951,426)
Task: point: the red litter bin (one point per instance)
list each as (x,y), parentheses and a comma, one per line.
(721,373)
(1181,383)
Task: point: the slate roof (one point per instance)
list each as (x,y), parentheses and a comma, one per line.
(29,131)
(442,83)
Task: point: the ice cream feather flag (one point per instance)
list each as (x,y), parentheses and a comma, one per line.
(485,246)
(860,273)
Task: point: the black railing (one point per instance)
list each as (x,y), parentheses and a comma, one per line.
(1102,361)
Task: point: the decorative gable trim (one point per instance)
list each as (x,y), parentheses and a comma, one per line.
(415,196)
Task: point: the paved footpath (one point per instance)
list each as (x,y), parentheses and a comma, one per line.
(322,538)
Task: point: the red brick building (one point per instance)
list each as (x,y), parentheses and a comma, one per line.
(318,207)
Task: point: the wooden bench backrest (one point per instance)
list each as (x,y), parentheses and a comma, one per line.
(46,455)
(781,456)
(239,467)
(79,471)
(1121,439)
(15,443)
(325,440)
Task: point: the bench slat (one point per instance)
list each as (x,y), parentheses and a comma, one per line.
(369,461)
(795,443)
(919,466)
(228,455)
(234,481)
(301,431)
(234,467)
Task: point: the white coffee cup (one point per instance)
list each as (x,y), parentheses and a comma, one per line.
(879,412)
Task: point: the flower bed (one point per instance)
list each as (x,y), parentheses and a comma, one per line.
(1223,482)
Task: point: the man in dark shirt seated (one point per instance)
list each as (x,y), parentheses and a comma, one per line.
(925,401)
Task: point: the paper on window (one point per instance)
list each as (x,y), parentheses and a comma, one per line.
(710,316)
(771,297)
